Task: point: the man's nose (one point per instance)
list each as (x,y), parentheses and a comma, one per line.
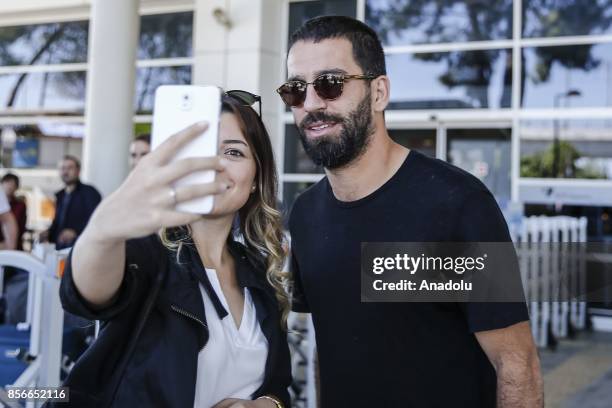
(313,101)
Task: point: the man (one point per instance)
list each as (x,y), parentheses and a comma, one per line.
(140,147)
(10,184)
(73,206)
(389,354)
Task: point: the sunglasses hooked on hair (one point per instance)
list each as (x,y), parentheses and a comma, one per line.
(328,86)
(245,98)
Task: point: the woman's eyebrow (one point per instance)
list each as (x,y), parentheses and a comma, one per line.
(234,141)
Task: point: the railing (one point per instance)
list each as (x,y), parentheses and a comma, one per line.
(44,317)
(544,263)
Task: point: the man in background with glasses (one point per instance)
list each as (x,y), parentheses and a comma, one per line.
(375,190)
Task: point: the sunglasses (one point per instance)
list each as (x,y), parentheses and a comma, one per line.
(327,86)
(245,98)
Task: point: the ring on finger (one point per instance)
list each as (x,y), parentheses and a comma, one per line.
(172,193)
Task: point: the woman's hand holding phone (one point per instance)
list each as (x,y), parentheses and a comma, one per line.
(146,201)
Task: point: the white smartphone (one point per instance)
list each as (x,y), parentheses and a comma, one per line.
(177,107)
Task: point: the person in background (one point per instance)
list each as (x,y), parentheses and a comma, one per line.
(8,224)
(140,147)
(73,206)
(10,184)
(15,296)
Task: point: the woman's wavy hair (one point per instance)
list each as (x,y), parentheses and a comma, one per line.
(260,225)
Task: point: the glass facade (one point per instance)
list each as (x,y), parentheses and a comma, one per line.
(543,18)
(457,80)
(301,11)
(148,79)
(422,140)
(41,44)
(551,71)
(485,153)
(465,61)
(403,22)
(166,36)
(60,91)
(584,149)
(48,91)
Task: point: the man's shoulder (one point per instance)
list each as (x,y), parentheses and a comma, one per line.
(443,179)
(90,189)
(18,199)
(310,195)
(308,202)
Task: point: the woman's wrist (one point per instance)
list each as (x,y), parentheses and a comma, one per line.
(274,402)
(100,236)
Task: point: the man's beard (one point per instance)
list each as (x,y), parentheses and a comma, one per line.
(333,152)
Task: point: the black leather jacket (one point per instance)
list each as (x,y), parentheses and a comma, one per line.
(162,369)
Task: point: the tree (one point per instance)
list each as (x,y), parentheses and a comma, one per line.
(161,36)
(541,164)
(53,43)
(490,20)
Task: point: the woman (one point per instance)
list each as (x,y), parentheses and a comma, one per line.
(215,333)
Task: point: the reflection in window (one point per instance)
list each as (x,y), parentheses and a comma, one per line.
(44,44)
(402,22)
(422,140)
(563,18)
(296,159)
(300,12)
(161,36)
(469,79)
(166,36)
(552,71)
(148,79)
(584,148)
(40,145)
(485,153)
(63,91)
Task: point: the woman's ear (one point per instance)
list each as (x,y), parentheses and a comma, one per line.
(381,88)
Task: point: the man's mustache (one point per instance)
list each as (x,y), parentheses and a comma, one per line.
(319,117)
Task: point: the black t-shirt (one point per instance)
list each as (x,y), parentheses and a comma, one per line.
(396,354)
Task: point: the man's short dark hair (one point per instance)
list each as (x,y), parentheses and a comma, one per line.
(367,48)
(11,177)
(143,137)
(73,159)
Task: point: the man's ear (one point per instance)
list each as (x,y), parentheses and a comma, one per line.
(381,89)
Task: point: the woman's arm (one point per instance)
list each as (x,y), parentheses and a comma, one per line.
(98,267)
(142,205)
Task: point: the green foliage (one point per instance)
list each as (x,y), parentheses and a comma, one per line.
(140,128)
(542,164)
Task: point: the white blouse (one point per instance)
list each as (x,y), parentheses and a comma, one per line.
(232,363)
